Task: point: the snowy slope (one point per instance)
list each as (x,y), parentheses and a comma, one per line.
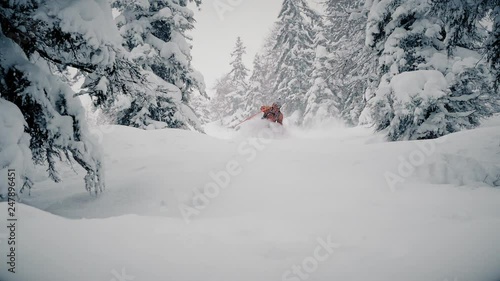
(384,220)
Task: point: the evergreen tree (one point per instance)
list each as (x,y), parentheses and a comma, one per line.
(231,89)
(132,96)
(239,72)
(264,75)
(152,85)
(223,102)
(201,105)
(43,120)
(353,65)
(322,103)
(258,92)
(296,54)
(442,36)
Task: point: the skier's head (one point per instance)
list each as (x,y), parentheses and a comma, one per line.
(277,104)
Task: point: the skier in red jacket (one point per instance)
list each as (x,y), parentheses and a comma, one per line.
(272,113)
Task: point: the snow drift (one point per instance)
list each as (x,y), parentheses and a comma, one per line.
(265,224)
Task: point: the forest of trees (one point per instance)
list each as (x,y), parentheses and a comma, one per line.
(339,63)
(412,69)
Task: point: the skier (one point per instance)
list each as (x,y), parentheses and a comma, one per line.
(272,113)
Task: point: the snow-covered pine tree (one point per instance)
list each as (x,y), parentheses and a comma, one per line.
(264,75)
(231,89)
(222,102)
(259,87)
(256,93)
(433,78)
(128,95)
(296,55)
(353,65)
(321,102)
(201,105)
(42,120)
(152,84)
(155,33)
(239,72)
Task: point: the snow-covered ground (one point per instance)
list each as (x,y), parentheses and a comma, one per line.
(325,204)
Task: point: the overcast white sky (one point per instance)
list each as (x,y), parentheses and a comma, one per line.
(215,33)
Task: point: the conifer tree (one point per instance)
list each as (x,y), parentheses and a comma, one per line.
(43,121)
(353,65)
(296,54)
(418,37)
(231,89)
(152,85)
(322,102)
(264,75)
(239,71)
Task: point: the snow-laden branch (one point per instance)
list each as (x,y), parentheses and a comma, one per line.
(465,97)
(455,114)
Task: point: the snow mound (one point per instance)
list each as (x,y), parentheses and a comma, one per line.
(456,169)
(465,158)
(422,83)
(168,163)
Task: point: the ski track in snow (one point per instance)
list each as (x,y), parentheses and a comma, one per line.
(441,223)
